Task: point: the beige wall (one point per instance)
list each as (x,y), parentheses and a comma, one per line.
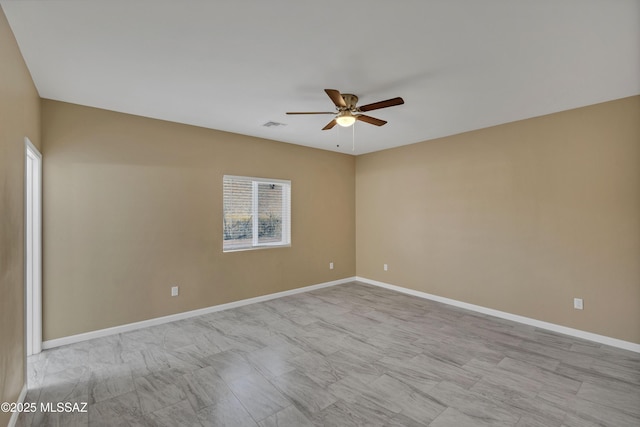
(521,217)
(134,205)
(19,117)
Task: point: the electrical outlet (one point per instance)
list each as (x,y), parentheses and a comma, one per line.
(577,304)
(330,266)
(385,267)
(174,291)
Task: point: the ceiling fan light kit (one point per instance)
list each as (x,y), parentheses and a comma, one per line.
(345,119)
(348,111)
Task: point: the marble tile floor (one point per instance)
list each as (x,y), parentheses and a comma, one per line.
(348,355)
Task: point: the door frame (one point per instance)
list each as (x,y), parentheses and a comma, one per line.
(33,248)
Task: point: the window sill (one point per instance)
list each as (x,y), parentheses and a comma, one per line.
(256,248)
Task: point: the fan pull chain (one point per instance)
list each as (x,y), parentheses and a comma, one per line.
(353,138)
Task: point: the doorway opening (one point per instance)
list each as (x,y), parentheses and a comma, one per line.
(33,248)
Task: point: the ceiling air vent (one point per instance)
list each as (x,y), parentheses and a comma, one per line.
(273,124)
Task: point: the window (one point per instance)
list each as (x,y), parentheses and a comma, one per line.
(257,213)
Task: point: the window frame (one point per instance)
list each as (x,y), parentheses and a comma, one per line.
(255,244)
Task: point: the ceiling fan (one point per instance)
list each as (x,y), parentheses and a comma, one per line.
(348,112)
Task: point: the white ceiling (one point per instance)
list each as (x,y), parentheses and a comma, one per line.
(235,65)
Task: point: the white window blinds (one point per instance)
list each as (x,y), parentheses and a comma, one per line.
(257,213)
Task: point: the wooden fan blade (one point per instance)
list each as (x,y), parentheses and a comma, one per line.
(329,125)
(382,104)
(336,97)
(313,112)
(371,120)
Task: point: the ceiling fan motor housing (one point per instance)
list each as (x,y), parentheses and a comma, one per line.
(351,101)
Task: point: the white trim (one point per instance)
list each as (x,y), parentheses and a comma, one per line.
(185,315)
(33,248)
(255,217)
(602,339)
(263,180)
(14,417)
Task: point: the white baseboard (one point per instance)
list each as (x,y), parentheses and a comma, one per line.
(184,315)
(602,339)
(14,416)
